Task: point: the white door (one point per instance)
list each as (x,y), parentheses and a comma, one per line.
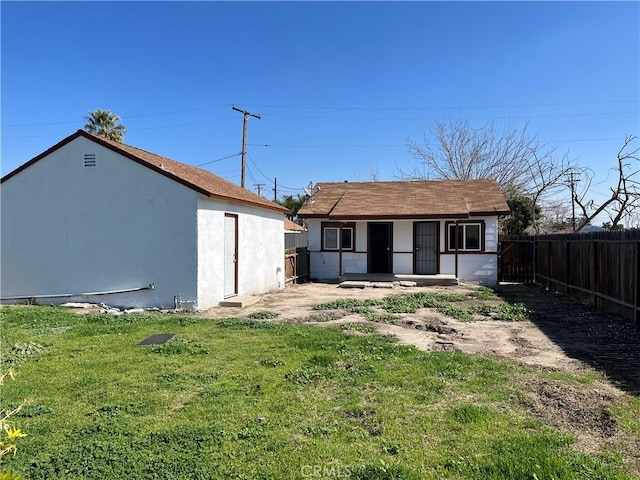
(230,255)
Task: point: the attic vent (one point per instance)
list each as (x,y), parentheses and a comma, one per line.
(89,159)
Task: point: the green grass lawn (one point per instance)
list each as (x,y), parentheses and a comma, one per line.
(253,399)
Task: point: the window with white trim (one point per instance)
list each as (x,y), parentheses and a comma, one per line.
(333,240)
(469,237)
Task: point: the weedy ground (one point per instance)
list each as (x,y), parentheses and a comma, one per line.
(481,303)
(250,398)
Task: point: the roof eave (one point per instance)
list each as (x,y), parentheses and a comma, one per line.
(276,207)
(344,216)
(385,216)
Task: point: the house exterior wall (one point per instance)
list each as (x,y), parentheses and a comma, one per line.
(67,228)
(472,267)
(260,250)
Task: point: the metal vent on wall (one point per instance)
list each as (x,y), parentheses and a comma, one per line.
(89,159)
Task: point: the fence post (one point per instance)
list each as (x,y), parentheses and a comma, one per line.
(593,280)
(567,270)
(636,286)
(549,261)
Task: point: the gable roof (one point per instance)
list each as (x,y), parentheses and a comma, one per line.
(408,199)
(197,179)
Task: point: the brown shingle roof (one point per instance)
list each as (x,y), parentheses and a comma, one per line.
(195,178)
(409,199)
(292,226)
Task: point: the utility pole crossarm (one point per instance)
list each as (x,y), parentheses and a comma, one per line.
(245,115)
(244,112)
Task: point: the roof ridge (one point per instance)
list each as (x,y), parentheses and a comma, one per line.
(120,144)
(198,179)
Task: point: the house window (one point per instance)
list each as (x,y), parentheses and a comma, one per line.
(469,237)
(332,240)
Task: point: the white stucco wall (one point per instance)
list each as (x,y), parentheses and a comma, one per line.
(67,228)
(260,250)
(471,267)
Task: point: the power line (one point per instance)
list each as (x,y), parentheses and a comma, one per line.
(258,168)
(458,107)
(355,108)
(218,159)
(280,187)
(124,117)
(415,119)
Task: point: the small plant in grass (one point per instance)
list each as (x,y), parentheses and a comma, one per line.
(179,346)
(349,304)
(484,310)
(468,413)
(316,430)
(361,307)
(513,312)
(484,293)
(392,448)
(357,327)
(9,434)
(307,374)
(19,353)
(454,311)
(382,471)
(254,429)
(270,363)
(263,315)
(246,323)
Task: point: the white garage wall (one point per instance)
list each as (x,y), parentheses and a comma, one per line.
(67,228)
(260,250)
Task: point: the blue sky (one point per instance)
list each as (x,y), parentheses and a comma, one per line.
(340,86)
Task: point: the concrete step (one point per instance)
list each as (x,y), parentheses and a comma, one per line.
(239,302)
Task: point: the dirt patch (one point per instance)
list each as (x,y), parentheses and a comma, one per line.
(560,333)
(426,329)
(583,410)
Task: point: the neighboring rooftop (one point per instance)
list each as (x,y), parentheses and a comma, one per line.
(406,199)
(195,178)
(292,226)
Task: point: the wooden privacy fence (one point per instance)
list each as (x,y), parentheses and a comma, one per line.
(515,259)
(296,257)
(601,269)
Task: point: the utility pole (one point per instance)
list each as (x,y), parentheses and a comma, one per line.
(572,184)
(259,187)
(246,116)
(275,189)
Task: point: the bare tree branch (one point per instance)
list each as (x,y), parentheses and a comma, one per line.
(625,196)
(510,156)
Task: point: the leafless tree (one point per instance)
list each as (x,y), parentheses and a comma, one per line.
(555,217)
(546,178)
(368,173)
(462,152)
(625,195)
(510,156)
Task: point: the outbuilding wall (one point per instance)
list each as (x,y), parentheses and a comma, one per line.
(260,250)
(69,228)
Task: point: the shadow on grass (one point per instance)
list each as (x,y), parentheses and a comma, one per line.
(607,342)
